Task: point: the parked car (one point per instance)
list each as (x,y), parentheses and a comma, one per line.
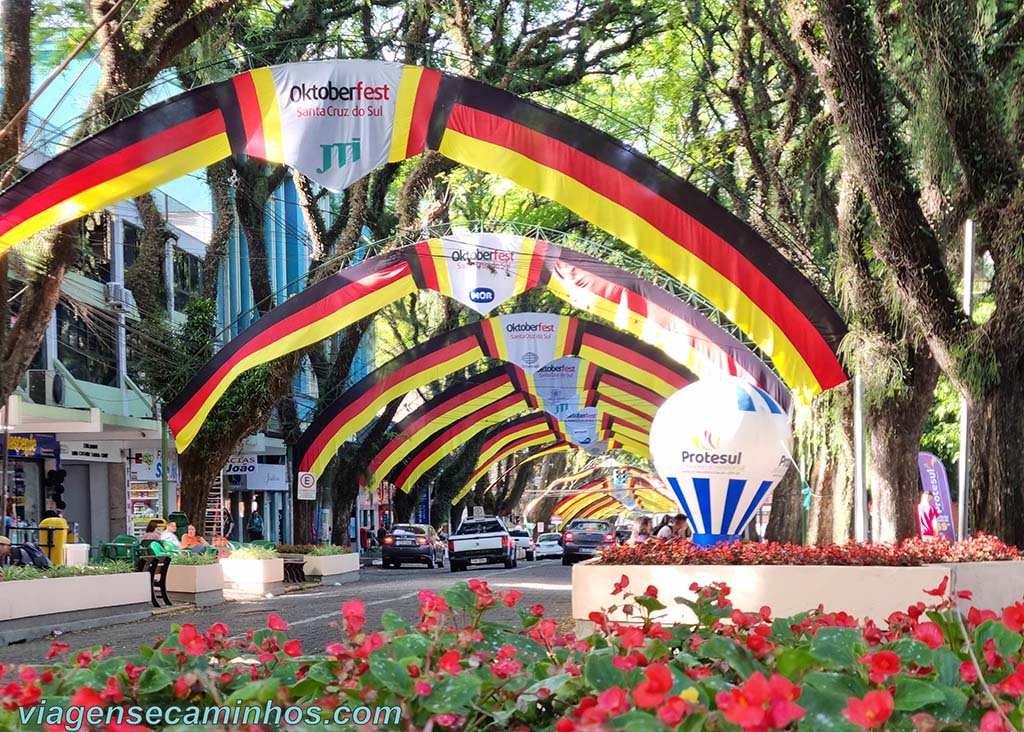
(622,533)
(583,537)
(549,545)
(412,543)
(482,540)
(525,542)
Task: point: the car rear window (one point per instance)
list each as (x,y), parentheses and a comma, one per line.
(408,529)
(519,533)
(480,527)
(550,537)
(589,526)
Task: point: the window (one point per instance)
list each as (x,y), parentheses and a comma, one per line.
(85,345)
(132,235)
(408,529)
(188,278)
(481,527)
(94,248)
(588,526)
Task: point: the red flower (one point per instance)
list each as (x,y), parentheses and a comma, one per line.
(1013,617)
(565,725)
(217,631)
(976,617)
(511,597)
(536,610)
(626,663)
(449,662)
(968,672)
(673,711)
(745,704)
(883,664)
(354,613)
(112,691)
(939,591)
(650,693)
(57,649)
(991,721)
(621,585)
(871,711)
(631,637)
(274,622)
(929,633)
(292,648)
(423,688)
(651,591)
(190,640)
(613,700)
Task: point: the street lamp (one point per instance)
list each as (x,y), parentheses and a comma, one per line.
(6,429)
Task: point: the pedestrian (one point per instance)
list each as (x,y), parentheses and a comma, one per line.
(681,528)
(927,516)
(152,530)
(229,522)
(644,530)
(664,527)
(192,541)
(255,525)
(170,534)
(381,533)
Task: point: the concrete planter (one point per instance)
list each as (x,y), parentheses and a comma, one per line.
(253,576)
(340,568)
(200,584)
(863,592)
(35,608)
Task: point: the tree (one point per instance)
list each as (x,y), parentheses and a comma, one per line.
(966,79)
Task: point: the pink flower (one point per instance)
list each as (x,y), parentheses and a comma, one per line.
(292,648)
(423,688)
(929,633)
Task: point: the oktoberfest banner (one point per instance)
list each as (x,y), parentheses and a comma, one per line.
(335,121)
(680,332)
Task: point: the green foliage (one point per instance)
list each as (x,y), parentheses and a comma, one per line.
(942,429)
(253,552)
(192,559)
(313,550)
(13,573)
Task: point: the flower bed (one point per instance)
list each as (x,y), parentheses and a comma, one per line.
(909,553)
(316,550)
(867,581)
(924,669)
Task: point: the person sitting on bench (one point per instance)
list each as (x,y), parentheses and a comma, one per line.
(170,534)
(192,541)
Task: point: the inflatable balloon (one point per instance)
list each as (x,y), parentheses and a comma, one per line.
(721,445)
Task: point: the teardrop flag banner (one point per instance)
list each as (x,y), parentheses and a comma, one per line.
(335,121)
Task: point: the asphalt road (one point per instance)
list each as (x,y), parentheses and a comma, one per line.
(311,613)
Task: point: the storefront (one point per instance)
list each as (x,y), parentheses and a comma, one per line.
(146,499)
(29,457)
(250,485)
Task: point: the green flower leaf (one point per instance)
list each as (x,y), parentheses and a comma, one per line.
(154,680)
(459,597)
(601,673)
(1006,641)
(739,658)
(390,673)
(392,621)
(912,651)
(912,694)
(838,647)
(637,721)
(792,661)
(454,694)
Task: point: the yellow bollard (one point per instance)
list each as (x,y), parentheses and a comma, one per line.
(52,541)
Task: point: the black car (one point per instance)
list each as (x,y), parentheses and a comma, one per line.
(410,543)
(583,537)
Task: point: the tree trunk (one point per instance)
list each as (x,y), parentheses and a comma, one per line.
(831,517)
(785,522)
(896,425)
(995,504)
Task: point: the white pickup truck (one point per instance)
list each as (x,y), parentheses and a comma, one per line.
(482,540)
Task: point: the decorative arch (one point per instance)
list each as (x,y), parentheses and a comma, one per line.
(481,400)
(450,352)
(336,121)
(651,314)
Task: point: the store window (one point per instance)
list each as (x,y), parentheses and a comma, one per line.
(85,344)
(188,278)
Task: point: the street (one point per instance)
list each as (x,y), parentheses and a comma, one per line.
(312,612)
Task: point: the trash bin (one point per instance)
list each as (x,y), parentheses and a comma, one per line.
(52,538)
(76,555)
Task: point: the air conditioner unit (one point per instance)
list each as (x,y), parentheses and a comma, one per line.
(118,297)
(46,386)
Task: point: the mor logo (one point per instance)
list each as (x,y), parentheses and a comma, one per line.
(481,294)
(339,151)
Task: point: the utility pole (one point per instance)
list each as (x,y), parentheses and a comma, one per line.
(964,468)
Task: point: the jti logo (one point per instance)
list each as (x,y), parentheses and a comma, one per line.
(340,149)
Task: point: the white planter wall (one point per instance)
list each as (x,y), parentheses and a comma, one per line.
(863,592)
(331,565)
(33,598)
(253,575)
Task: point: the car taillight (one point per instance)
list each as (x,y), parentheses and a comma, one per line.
(422,541)
(389,540)
(568,536)
(609,538)
(451,546)
(505,541)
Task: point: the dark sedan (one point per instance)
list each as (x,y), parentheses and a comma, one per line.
(582,539)
(411,543)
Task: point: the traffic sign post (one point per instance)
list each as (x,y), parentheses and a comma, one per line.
(306,487)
